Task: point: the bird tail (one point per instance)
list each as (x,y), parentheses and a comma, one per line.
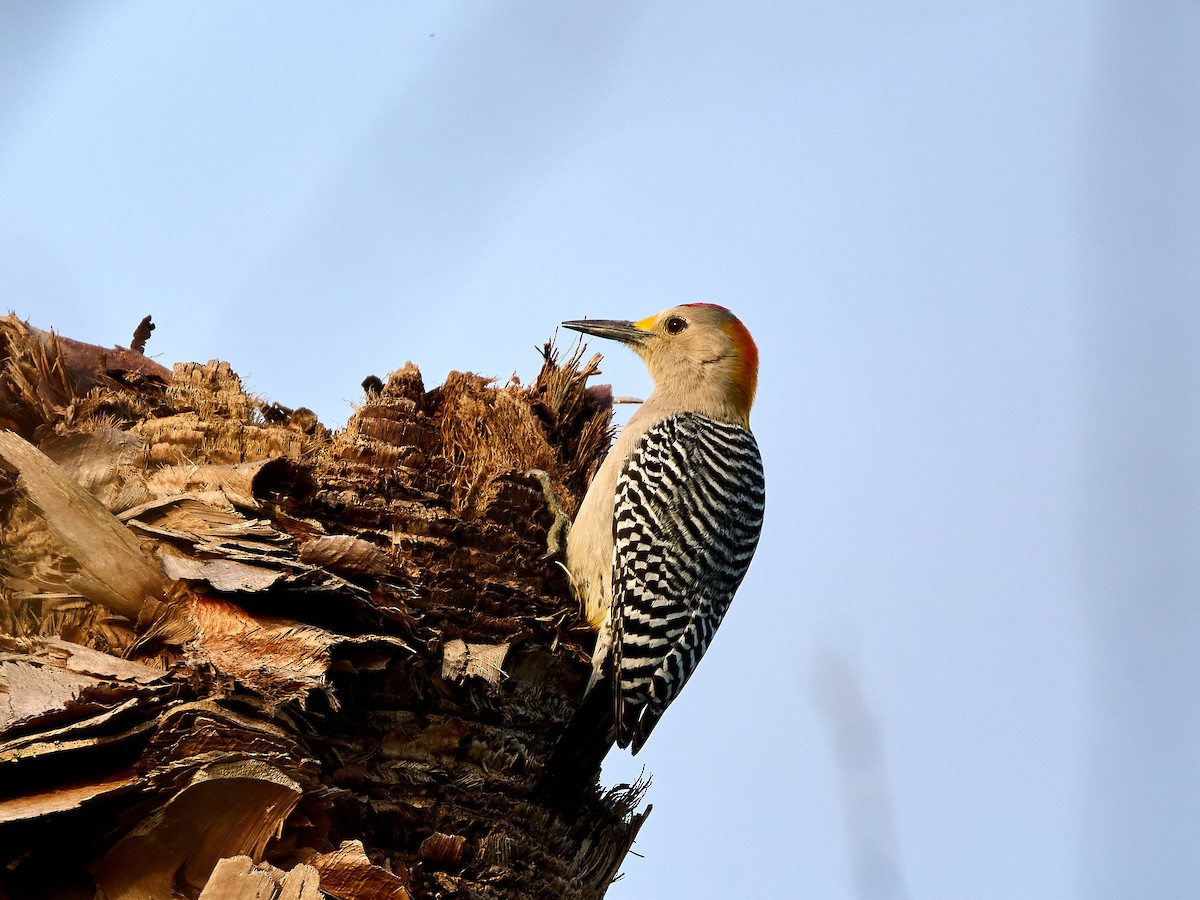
(575,761)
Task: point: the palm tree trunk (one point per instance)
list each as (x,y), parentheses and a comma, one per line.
(244,656)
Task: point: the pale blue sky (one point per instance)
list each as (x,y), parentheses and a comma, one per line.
(938,219)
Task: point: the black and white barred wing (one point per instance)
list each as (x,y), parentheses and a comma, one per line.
(689,510)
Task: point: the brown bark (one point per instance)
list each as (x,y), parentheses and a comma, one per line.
(325,659)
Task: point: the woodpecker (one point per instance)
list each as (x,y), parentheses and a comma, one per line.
(670,523)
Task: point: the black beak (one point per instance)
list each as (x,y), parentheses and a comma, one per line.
(613,329)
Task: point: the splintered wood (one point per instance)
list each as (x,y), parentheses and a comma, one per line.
(243,656)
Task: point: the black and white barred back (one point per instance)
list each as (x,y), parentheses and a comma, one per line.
(689,508)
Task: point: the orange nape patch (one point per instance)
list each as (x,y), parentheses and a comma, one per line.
(745,382)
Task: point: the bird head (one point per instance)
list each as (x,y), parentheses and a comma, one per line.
(699,353)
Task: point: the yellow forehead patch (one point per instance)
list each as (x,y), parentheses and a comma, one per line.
(646,324)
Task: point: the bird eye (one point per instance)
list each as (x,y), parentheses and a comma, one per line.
(675,325)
